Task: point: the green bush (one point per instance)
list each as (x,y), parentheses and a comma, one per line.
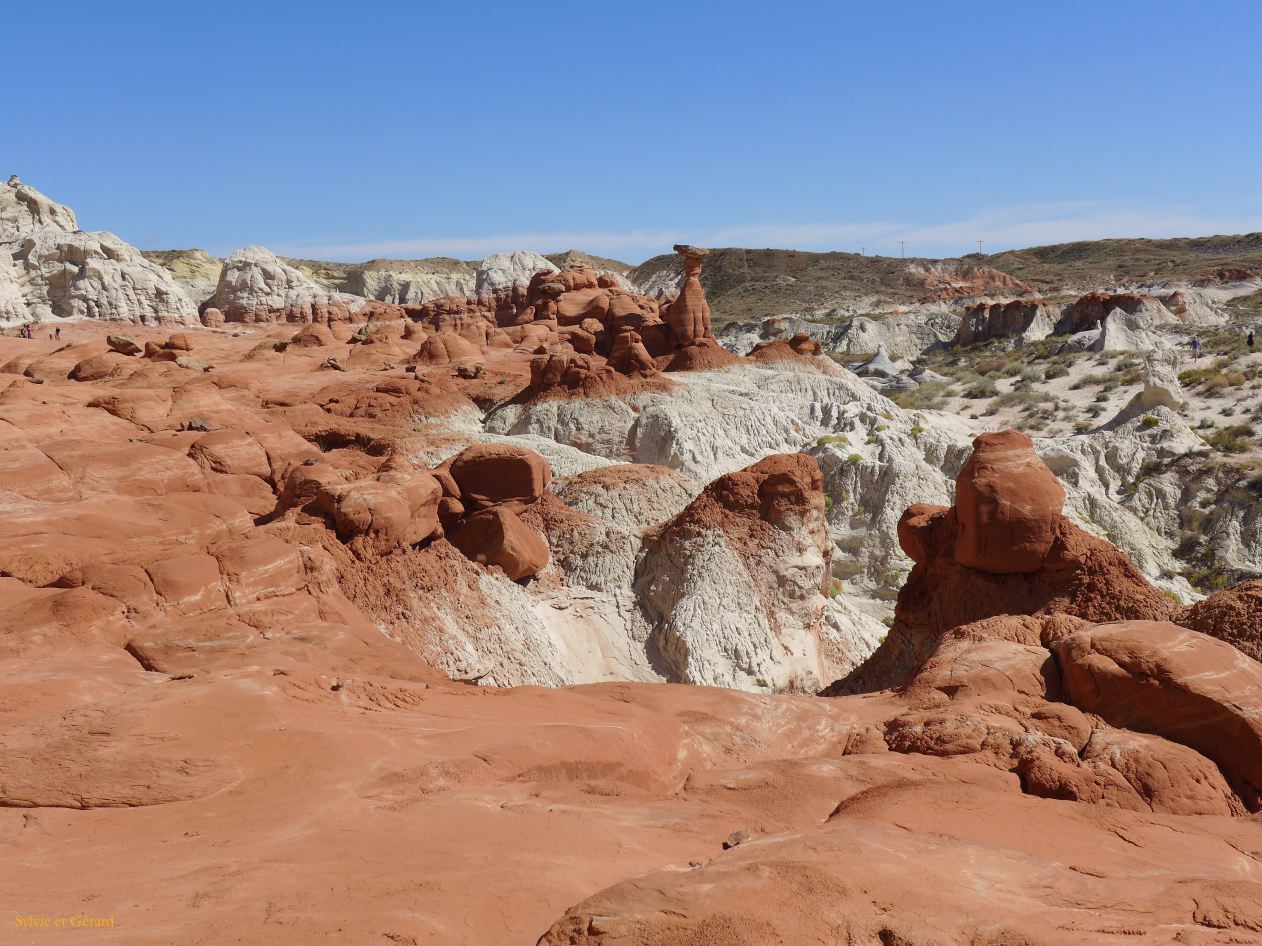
(1149,421)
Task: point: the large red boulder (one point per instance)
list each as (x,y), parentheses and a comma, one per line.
(498,537)
(1163,679)
(397,506)
(490,474)
(1008,504)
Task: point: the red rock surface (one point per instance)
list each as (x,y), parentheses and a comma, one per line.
(221,720)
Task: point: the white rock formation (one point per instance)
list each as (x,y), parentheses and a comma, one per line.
(733,592)
(13,308)
(255,278)
(411,282)
(1161,388)
(23,209)
(903,335)
(195,271)
(1124,331)
(94,276)
(59,272)
(504,270)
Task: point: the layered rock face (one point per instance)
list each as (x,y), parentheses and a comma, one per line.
(1026,320)
(60,272)
(407,282)
(733,585)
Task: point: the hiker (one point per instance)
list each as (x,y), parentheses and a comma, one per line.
(1196,346)
(1249,341)
(58,333)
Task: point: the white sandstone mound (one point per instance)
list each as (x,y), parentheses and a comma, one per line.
(412,282)
(1161,388)
(55,271)
(255,279)
(23,209)
(95,276)
(501,271)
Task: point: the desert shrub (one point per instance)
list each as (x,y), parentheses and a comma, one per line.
(981,389)
(1023,399)
(1149,421)
(855,458)
(1233,439)
(832,440)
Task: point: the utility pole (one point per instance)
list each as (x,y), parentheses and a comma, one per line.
(863,251)
(979,247)
(902,248)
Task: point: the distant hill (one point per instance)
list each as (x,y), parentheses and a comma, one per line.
(1102,261)
(748,283)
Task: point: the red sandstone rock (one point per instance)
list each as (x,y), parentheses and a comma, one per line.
(393,507)
(491,474)
(496,536)
(689,315)
(1233,615)
(1159,678)
(446,348)
(1007,504)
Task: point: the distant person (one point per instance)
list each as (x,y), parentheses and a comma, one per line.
(1249,341)
(1196,346)
(58,333)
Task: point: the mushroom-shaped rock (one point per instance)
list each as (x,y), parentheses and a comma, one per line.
(1156,677)
(392,507)
(1008,504)
(491,474)
(689,315)
(497,536)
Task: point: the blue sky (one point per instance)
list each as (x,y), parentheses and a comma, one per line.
(348,131)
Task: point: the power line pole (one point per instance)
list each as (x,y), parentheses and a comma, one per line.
(902,248)
(862,251)
(979,247)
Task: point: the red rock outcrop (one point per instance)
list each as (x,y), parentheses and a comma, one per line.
(1004,548)
(990,320)
(1233,615)
(1159,678)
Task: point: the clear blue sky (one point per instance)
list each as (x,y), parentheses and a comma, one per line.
(364,129)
